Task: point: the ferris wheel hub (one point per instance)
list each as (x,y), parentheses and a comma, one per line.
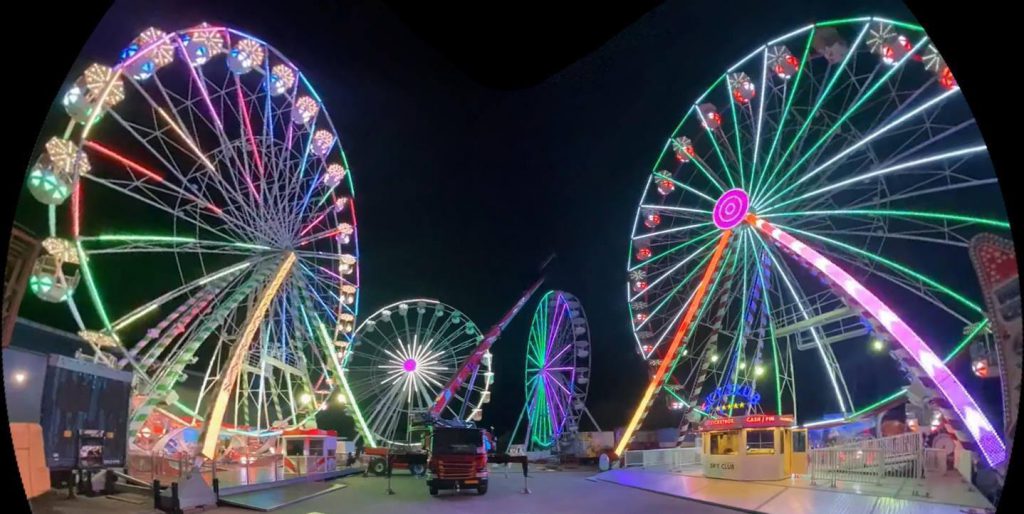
(730,209)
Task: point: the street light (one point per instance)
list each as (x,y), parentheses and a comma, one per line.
(877,344)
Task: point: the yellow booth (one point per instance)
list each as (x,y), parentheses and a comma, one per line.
(753,447)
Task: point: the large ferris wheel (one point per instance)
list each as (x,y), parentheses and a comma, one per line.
(403,356)
(212,225)
(816,194)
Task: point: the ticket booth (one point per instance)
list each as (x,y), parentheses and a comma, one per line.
(754,447)
(309,451)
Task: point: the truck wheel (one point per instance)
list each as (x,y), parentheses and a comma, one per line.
(482,490)
(378,467)
(417,469)
(433,491)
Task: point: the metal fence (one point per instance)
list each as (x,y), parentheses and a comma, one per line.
(830,465)
(899,456)
(936,462)
(668,458)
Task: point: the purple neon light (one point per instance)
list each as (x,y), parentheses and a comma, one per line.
(730,209)
(409,365)
(962,402)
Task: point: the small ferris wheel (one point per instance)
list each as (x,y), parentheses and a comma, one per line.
(557,376)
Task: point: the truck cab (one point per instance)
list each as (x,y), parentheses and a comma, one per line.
(457,459)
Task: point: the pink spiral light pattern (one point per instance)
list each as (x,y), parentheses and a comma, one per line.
(730,209)
(962,402)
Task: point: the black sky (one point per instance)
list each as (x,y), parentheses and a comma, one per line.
(465,184)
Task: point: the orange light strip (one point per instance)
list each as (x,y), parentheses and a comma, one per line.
(215,417)
(684,326)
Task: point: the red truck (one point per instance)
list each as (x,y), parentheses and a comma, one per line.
(457,459)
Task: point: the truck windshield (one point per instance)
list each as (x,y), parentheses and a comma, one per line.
(457,440)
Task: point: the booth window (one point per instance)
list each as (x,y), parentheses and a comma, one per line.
(724,443)
(316,447)
(799,442)
(294,447)
(761,441)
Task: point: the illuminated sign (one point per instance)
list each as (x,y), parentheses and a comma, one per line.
(728,395)
(753,420)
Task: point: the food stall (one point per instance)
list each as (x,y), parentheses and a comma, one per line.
(753,447)
(309,451)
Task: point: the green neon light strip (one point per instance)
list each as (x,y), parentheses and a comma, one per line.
(739,340)
(901,24)
(771,333)
(909,214)
(850,112)
(736,132)
(685,403)
(94,293)
(902,392)
(894,265)
(843,21)
(711,293)
(685,281)
(680,246)
(696,162)
(821,100)
(686,187)
(167,239)
(329,347)
(785,111)
(718,151)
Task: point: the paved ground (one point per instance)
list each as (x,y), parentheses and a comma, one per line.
(562,492)
(551,492)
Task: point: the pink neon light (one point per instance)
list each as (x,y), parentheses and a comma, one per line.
(409,365)
(199,84)
(313,224)
(117,157)
(248,126)
(730,209)
(133,166)
(964,405)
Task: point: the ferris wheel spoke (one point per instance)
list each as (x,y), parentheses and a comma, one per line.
(864,96)
(825,351)
(194,221)
(966,151)
(939,175)
(177,124)
(678,265)
(817,106)
(664,299)
(908,275)
(685,187)
(790,94)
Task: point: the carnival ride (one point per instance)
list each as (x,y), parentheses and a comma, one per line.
(556,375)
(810,198)
(401,358)
(208,186)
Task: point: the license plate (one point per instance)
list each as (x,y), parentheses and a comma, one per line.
(471,481)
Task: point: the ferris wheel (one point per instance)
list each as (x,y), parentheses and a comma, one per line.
(810,206)
(557,373)
(401,359)
(211,220)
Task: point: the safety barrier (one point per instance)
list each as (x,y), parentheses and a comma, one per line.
(668,458)
(899,456)
(936,462)
(830,465)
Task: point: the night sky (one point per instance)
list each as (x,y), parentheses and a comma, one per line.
(465,186)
